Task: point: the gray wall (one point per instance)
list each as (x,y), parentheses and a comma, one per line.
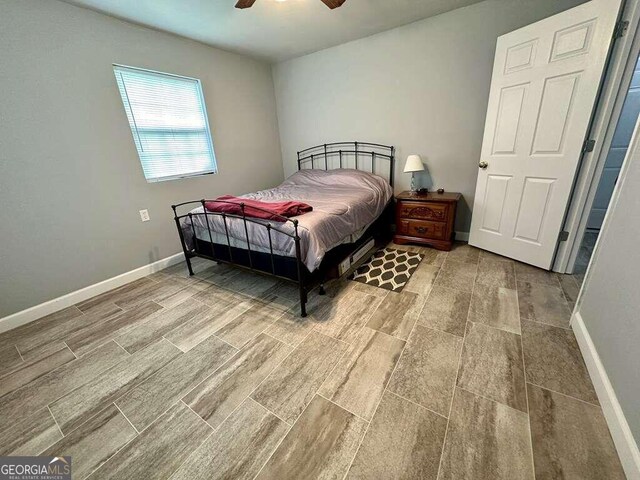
(610,303)
(422,87)
(71,184)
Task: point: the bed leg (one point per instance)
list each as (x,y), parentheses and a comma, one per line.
(303,301)
(322,291)
(188,259)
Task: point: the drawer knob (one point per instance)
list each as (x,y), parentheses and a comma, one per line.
(421,229)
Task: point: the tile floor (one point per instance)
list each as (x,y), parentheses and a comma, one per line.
(586,251)
(471,372)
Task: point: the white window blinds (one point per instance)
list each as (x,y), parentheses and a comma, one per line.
(168,120)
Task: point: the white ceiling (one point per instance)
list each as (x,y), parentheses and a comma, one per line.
(272,30)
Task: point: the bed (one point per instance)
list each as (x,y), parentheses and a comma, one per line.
(350,187)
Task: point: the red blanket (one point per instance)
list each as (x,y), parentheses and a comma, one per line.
(257,209)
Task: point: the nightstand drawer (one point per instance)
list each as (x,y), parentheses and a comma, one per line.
(423,229)
(433,211)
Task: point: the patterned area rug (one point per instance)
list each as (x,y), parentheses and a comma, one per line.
(389,269)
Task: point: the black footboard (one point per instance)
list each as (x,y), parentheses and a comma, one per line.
(245,258)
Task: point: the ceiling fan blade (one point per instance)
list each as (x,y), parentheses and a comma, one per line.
(333,3)
(245,3)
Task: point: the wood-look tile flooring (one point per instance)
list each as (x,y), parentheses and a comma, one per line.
(471,372)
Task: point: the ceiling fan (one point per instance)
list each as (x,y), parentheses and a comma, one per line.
(329,3)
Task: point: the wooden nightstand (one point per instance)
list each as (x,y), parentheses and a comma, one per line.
(426,219)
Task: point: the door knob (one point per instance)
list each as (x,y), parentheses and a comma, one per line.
(483,165)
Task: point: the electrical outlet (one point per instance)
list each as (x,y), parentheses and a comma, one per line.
(144,215)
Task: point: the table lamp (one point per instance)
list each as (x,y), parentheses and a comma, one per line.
(413,164)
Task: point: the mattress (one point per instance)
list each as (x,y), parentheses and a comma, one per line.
(345,202)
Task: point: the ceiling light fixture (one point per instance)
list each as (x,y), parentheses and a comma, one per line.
(329,3)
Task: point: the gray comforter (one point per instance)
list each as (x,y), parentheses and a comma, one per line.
(345,202)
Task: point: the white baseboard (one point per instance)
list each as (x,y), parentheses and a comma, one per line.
(462,236)
(620,432)
(38,311)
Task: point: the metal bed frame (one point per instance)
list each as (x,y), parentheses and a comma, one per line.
(328,156)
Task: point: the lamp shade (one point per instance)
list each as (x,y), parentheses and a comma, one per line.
(414,164)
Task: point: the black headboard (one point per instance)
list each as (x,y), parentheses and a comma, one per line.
(370,157)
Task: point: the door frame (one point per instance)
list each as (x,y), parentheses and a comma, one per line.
(624,56)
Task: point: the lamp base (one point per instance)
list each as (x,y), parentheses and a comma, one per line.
(414,189)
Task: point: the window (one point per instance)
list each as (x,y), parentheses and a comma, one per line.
(168,120)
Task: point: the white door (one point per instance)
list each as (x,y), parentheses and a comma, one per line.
(543,90)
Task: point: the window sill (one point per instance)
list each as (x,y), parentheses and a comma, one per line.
(179,177)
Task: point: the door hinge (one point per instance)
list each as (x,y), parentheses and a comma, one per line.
(564,236)
(620,29)
(588,145)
